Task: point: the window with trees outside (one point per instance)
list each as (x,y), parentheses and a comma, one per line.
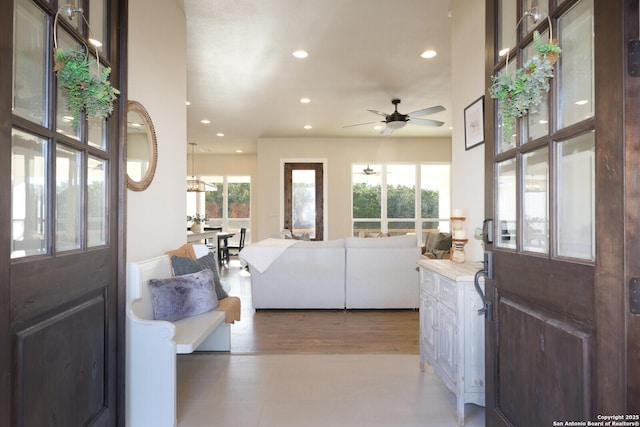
(395,199)
(229,206)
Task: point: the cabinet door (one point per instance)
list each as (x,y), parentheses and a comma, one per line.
(447,349)
(428,324)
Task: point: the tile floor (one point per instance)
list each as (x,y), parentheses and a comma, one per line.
(307,391)
(241,389)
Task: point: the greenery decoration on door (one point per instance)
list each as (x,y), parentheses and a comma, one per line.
(87,91)
(521,90)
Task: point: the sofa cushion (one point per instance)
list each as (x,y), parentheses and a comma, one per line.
(437,241)
(337,243)
(405,241)
(183,296)
(182,265)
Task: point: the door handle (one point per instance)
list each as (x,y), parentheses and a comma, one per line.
(487,272)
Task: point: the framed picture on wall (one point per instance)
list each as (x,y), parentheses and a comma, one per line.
(474,124)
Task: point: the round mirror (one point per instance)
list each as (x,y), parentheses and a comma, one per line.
(142,147)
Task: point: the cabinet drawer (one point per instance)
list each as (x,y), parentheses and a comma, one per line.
(447,293)
(429,283)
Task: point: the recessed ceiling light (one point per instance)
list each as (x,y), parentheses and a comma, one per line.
(219,134)
(428,54)
(238,151)
(187,103)
(308,126)
(300,54)
(305,100)
(582,102)
(503,52)
(205,121)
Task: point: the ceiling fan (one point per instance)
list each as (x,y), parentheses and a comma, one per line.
(369,171)
(398,120)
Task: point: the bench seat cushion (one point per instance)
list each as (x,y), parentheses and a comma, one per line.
(192,331)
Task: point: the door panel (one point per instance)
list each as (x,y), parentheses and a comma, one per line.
(545,360)
(61,216)
(555,346)
(304,199)
(61,366)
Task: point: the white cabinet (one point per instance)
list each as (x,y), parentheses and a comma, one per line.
(451,332)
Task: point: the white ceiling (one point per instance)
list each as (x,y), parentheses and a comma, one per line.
(362,54)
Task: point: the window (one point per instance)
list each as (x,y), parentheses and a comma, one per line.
(387,200)
(229,206)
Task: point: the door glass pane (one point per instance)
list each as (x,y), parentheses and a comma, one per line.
(401,192)
(537,123)
(505,131)
(435,200)
(506,209)
(214,200)
(398,228)
(506,26)
(366,199)
(68,198)
(29,223)
(64,119)
(303,201)
(239,198)
(29,85)
(576,65)
(576,197)
(97,205)
(535,201)
(367,228)
(97,21)
(98,135)
(533,6)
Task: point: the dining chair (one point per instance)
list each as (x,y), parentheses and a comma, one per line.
(234,250)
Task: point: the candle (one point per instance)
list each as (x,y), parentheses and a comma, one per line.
(457,213)
(459,234)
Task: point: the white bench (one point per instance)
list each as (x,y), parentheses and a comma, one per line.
(152,345)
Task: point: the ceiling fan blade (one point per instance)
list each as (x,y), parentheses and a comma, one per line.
(379,112)
(426,111)
(387,131)
(359,124)
(426,122)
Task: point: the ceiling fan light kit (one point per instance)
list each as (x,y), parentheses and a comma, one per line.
(397,120)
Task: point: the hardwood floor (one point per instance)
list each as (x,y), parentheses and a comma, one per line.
(317,331)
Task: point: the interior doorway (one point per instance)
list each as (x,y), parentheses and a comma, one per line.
(304,200)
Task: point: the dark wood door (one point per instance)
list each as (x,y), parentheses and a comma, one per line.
(303,199)
(60,213)
(555,345)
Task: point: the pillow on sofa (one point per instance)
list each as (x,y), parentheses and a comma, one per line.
(185,250)
(183,296)
(437,241)
(182,265)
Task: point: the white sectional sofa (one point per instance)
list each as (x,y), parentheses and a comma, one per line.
(335,274)
(381,272)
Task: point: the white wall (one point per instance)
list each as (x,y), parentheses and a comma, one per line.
(158,80)
(467,52)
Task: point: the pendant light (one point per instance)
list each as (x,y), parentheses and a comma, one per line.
(193,184)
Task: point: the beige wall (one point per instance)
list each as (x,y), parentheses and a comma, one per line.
(339,155)
(157,79)
(468,85)
(265,170)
